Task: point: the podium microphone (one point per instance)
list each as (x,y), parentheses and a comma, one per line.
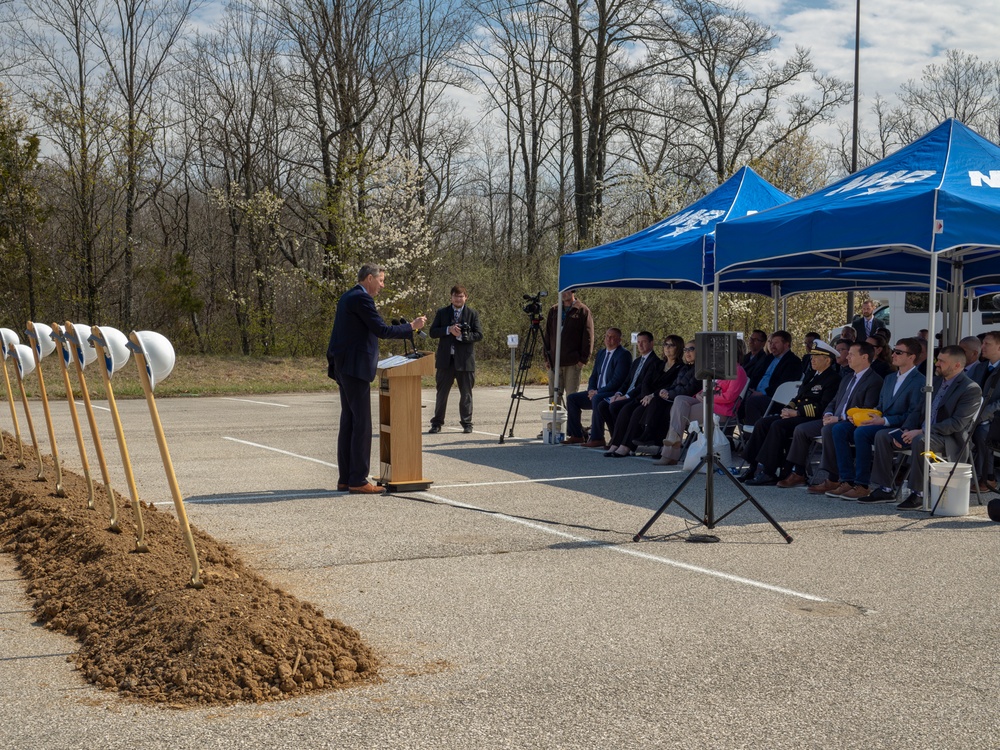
(399,322)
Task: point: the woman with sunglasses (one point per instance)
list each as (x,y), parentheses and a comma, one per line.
(656,420)
(882,362)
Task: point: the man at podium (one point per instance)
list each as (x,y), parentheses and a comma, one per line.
(352,356)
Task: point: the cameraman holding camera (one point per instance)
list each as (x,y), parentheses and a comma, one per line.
(457,327)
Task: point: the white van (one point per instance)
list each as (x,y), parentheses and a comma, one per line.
(905,314)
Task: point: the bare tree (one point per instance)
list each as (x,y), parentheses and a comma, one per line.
(721,56)
(136,39)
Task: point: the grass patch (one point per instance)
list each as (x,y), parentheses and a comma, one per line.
(212,375)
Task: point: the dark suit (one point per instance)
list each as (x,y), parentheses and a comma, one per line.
(789,368)
(982,454)
(352,357)
(949,430)
(618,414)
(617,370)
(771,435)
(864,395)
(455,359)
(859,328)
(902,410)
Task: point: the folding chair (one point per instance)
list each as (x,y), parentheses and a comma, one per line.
(782,395)
(731,426)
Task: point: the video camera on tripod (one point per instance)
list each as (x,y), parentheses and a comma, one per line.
(534,310)
(534,306)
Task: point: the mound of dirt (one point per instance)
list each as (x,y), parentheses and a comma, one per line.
(142,630)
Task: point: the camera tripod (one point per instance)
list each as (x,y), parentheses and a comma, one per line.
(709,518)
(524,366)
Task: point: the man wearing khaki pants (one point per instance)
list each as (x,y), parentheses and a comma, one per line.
(577,344)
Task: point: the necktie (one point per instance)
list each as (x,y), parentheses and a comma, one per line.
(602,381)
(938,400)
(636,376)
(847,396)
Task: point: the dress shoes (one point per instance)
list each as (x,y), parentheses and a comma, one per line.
(840,490)
(823,487)
(857,492)
(367,489)
(878,495)
(467,429)
(665,461)
(746,476)
(792,480)
(341,487)
(434,430)
(573,441)
(913,502)
(594,444)
(762,479)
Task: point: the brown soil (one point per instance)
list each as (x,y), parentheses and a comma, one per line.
(143,631)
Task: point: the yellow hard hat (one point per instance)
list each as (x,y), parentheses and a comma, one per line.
(860,416)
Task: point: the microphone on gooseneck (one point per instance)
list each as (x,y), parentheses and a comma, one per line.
(399,322)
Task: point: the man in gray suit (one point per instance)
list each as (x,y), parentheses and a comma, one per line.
(457,327)
(956,401)
(859,390)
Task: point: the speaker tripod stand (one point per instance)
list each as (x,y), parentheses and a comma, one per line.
(711,462)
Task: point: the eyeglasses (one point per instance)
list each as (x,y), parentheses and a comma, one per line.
(901,352)
(689,349)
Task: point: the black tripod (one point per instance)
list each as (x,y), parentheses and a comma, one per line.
(524,366)
(709,519)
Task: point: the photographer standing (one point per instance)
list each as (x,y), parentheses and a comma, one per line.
(457,325)
(576,347)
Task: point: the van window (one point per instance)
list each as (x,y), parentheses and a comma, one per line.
(916,302)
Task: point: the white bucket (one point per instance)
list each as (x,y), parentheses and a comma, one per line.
(552,427)
(955,500)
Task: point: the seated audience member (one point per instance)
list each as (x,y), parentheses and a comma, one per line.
(900,405)
(843,348)
(989,378)
(756,354)
(673,364)
(780,367)
(881,362)
(611,367)
(972,346)
(618,411)
(860,390)
(922,359)
(687,409)
(807,342)
(772,434)
(847,333)
(953,409)
(656,420)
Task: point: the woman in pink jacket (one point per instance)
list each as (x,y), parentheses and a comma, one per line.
(688,409)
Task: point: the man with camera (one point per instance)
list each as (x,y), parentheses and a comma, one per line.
(457,327)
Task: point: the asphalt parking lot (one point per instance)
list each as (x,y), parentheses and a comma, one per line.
(512,608)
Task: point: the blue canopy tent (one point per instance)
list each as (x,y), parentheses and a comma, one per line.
(673,253)
(933,207)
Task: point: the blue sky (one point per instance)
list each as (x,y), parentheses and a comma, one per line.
(898,37)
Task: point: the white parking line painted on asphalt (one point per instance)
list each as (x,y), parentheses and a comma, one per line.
(630,551)
(102,408)
(278,450)
(555,479)
(262,403)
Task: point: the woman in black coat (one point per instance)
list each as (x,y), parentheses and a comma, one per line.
(656,419)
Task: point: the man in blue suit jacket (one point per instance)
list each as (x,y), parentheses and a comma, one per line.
(611,367)
(353,356)
(901,403)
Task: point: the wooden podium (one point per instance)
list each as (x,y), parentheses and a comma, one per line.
(400,443)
